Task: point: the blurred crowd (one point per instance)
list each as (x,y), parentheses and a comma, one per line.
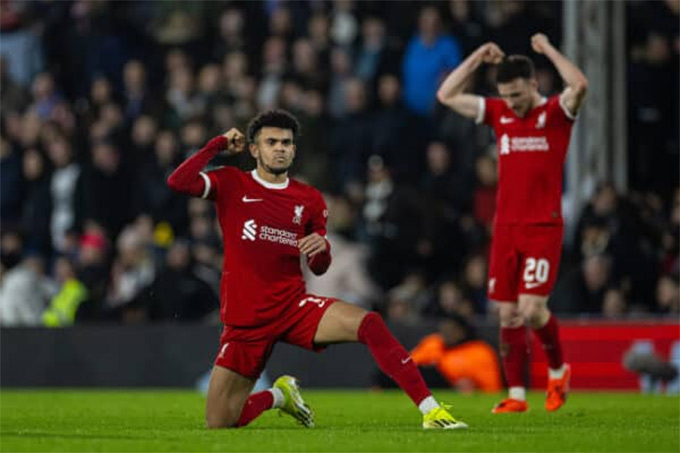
(101,100)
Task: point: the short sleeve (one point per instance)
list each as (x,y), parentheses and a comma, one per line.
(567,114)
(492,108)
(558,111)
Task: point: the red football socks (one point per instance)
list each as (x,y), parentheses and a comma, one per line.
(255,405)
(392,358)
(549,335)
(515,353)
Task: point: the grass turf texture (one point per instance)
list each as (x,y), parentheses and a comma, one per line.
(70,420)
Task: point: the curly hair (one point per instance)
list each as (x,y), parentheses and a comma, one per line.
(273,118)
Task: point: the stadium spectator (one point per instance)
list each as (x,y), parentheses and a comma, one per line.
(273,69)
(467,364)
(231,37)
(464,23)
(344,24)
(392,220)
(156,199)
(66,190)
(70,293)
(449,300)
(583,289)
(376,53)
(131,274)
(614,304)
(10,182)
(109,198)
(143,138)
(654,115)
(313,164)
(21,42)
(389,139)
(13,96)
(351,136)
(429,55)
(668,294)
(24,292)
(35,216)
(341,75)
(178,294)
(444,203)
(93,269)
(474,282)
(137,97)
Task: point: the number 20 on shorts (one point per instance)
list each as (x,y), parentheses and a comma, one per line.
(536,271)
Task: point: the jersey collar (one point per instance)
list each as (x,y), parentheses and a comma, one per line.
(269,185)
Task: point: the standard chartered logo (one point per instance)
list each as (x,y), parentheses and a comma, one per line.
(249,230)
(522,144)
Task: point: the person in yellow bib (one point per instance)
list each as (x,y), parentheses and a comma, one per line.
(64,305)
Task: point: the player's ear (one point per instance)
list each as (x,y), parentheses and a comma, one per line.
(294,151)
(253,150)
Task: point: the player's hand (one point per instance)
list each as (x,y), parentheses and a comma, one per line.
(491,53)
(236,139)
(312,244)
(540,43)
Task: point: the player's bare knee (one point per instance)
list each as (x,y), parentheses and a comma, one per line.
(510,316)
(536,314)
(219,421)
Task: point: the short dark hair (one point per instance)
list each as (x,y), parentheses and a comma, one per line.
(273,118)
(515,67)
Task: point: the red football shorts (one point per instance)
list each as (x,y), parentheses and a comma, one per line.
(246,350)
(524,260)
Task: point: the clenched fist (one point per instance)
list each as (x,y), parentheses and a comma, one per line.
(540,43)
(236,141)
(491,53)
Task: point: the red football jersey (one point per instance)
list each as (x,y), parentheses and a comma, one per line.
(261,223)
(531,154)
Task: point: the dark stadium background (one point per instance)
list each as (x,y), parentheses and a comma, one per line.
(100,101)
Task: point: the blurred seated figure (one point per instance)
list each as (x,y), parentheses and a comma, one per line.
(466,363)
(70,294)
(450,300)
(614,303)
(178,294)
(668,294)
(132,273)
(24,292)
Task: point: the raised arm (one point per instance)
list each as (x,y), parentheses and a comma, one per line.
(189,179)
(577,85)
(451,92)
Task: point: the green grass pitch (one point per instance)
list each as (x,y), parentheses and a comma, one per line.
(131,420)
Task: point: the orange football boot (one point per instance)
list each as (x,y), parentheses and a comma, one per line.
(557,390)
(509,405)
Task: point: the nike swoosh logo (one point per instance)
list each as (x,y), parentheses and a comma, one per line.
(245,199)
(505,120)
(533,285)
(406,360)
